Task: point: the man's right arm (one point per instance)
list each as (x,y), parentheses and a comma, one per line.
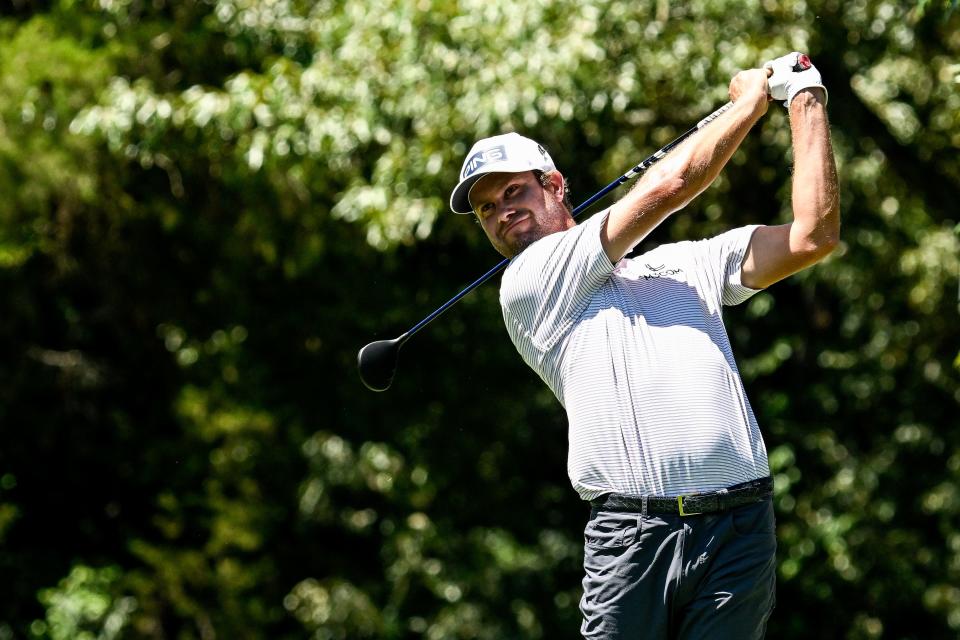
(688,170)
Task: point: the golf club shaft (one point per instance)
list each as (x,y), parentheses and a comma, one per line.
(629,175)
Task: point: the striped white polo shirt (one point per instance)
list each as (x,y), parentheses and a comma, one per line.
(638,356)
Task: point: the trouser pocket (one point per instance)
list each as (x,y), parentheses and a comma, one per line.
(608,529)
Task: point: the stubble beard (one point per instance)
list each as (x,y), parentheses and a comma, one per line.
(517,242)
(521,241)
(557,218)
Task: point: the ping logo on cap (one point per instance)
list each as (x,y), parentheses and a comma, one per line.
(480,158)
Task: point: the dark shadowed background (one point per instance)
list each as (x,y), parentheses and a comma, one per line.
(208,206)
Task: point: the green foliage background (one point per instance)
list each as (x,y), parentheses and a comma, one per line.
(208,206)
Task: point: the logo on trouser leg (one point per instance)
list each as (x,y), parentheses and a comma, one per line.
(722,598)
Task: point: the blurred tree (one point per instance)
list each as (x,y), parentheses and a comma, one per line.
(211,205)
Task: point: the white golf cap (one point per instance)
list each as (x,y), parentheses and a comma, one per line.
(507,153)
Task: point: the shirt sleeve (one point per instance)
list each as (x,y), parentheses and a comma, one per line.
(721,258)
(549,285)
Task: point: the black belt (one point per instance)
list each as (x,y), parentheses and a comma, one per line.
(689,505)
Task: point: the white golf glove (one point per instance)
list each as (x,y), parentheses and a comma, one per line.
(792,73)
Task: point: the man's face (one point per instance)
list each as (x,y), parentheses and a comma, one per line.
(515,210)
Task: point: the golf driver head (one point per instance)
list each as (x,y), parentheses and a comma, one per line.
(377,363)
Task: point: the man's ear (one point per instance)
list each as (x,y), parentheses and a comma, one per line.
(558,183)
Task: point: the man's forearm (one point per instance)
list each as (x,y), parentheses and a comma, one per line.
(688,170)
(699,160)
(816,194)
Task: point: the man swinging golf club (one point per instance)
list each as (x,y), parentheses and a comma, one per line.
(662,440)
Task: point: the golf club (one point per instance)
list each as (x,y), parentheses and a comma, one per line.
(377,361)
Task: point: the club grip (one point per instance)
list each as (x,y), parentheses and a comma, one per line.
(716,114)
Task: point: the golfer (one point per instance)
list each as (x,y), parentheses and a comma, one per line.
(663,442)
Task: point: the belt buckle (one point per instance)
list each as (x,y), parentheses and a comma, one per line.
(682,511)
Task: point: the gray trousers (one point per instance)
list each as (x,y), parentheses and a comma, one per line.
(667,577)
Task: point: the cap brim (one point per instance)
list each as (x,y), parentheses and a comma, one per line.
(460,198)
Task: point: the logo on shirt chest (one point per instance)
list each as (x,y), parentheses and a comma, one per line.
(660,271)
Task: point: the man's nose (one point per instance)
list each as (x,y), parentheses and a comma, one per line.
(504,211)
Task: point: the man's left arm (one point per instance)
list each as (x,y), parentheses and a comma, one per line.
(776,252)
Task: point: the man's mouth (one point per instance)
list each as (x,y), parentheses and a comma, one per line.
(520,217)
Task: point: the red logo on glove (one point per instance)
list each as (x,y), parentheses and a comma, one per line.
(803,63)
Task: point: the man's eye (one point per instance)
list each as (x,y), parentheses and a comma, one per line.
(512,189)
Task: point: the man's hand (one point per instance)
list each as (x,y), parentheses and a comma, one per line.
(751,85)
(792,73)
